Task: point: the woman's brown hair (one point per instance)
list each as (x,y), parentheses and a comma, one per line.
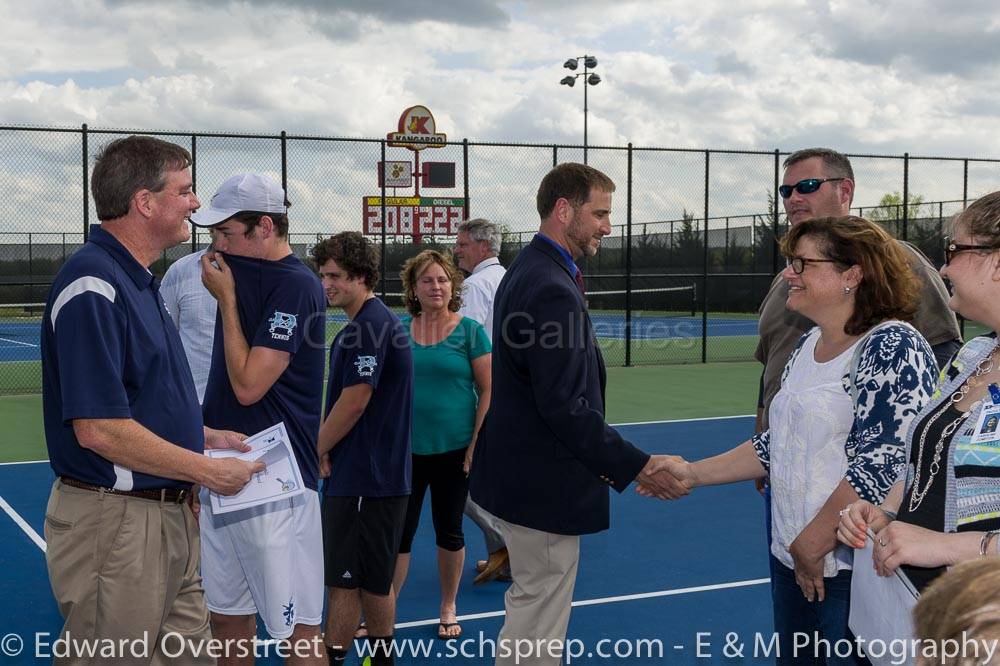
(888,288)
(415,267)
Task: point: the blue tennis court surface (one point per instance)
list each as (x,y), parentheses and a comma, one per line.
(666,576)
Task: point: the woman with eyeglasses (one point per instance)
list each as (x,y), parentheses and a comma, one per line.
(945,509)
(836,427)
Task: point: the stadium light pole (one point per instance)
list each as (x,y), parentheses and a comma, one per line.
(589,79)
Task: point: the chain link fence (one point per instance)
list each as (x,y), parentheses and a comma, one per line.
(691,255)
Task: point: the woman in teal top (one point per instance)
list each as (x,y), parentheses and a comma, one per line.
(451,393)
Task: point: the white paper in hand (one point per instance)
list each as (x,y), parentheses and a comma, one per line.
(280,479)
(881,608)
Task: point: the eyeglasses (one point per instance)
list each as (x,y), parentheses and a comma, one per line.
(952,248)
(807,186)
(798,264)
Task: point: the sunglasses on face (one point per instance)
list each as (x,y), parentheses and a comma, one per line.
(798,264)
(807,186)
(951,248)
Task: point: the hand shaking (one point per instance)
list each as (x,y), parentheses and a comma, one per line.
(665,477)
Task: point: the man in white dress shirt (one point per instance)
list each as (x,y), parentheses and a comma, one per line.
(193,310)
(476,250)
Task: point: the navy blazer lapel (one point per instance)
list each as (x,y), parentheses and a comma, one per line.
(553,254)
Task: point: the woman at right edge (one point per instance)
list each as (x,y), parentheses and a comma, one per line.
(946,508)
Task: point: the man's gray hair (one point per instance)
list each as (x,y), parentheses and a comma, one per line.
(481,229)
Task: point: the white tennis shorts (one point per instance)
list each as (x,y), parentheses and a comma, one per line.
(266,559)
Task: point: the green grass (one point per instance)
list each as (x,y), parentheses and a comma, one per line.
(22,418)
(658,351)
(657,393)
(18,377)
(634,394)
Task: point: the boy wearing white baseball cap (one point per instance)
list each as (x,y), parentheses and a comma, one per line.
(267,367)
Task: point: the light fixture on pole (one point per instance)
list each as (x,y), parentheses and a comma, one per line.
(589,79)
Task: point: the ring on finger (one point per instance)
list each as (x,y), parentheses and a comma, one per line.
(881,542)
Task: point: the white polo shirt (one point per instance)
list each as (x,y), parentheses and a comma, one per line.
(479,290)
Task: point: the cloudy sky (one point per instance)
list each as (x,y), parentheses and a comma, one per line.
(875,75)
(870,76)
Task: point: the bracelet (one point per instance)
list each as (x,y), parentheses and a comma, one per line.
(985,541)
(891,515)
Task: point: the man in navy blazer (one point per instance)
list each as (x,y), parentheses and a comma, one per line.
(545,456)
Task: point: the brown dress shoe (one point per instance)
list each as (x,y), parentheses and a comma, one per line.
(495,565)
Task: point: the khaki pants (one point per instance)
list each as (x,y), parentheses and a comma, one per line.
(538,602)
(126,569)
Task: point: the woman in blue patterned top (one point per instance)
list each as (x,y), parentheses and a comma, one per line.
(848,393)
(945,509)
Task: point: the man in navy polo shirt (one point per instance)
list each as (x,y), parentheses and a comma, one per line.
(367,436)
(122,421)
(267,367)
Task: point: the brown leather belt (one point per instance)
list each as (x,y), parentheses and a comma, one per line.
(172,495)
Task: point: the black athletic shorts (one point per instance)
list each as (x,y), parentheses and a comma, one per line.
(361,540)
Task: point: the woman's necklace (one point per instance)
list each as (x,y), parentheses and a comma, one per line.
(917,496)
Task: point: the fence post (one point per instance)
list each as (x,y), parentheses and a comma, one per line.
(284,163)
(965,183)
(86,186)
(465,174)
(555,155)
(628,264)
(383,249)
(906,193)
(194,187)
(965,203)
(704,278)
(726,251)
(776,199)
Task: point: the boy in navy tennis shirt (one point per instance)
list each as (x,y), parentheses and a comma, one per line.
(267,367)
(367,436)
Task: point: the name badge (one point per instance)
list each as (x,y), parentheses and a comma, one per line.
(986,429)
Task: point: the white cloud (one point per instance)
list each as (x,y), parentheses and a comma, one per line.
(879,76)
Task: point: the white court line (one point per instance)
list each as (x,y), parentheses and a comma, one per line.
(614,425)
(25,527)
(18,342)
(701,418)
(607,600)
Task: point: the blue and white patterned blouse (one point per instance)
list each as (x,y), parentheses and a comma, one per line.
(896,377)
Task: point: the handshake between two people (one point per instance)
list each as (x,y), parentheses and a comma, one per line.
(670,477)
(665,477)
